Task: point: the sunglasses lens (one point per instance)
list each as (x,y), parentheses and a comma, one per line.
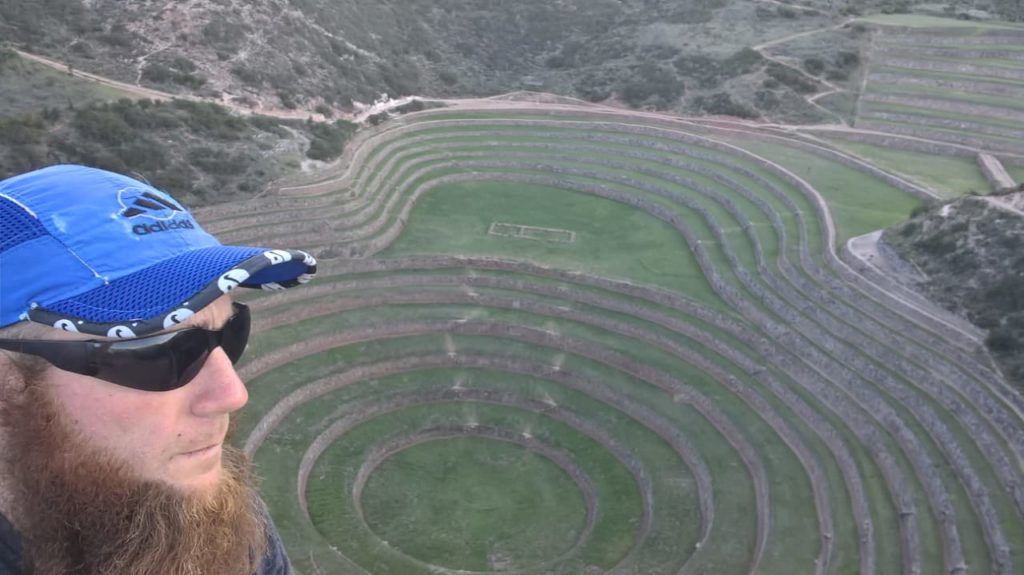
(190,354)
(149,368)
(235,336)
(188,350)
(196,345)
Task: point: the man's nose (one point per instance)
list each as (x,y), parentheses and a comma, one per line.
(218,389)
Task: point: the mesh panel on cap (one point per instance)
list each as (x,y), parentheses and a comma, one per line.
(17,226)
(156,289)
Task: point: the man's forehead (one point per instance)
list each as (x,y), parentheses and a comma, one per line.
(210,317)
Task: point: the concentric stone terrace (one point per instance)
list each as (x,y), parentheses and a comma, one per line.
(963,86)
(697,382)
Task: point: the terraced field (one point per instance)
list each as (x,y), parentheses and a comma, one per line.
(962,85)
(571,343)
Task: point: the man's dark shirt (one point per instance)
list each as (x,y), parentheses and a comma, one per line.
(10,548)
(275,562)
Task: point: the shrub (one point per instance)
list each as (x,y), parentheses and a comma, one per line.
(247,75)
(837,75)
(1003,340)
(328,139)
(814,66)
(1006,294)
(22,130)
(216,161)
(119,36)
(937,244)
(790,77)
(414,105)
(7,57)
(287,99)
(847,59)
(721,103)
(652,83)
(744,61)
(225,36)
(376,119)
(910,229)
(103,125)
(921,209)
(183,64)
(156,72)
(593,87)
(447,77)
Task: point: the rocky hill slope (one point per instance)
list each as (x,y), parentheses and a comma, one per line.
(686,55)
(198,151)
(969,257)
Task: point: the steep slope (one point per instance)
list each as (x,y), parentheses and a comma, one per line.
(970,255)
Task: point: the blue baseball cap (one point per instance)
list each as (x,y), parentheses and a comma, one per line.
(92,251)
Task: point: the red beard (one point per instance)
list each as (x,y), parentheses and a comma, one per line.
(80,511)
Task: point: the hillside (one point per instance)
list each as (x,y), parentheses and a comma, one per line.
(691,55)
(969,257)
(199,151)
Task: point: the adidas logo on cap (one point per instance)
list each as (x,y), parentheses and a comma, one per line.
(143,229)
(151,205)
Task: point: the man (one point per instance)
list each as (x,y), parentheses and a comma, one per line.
(117,384)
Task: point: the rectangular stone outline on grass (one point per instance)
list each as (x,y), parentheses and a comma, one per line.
(519,231)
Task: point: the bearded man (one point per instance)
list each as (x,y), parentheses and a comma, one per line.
(117,383)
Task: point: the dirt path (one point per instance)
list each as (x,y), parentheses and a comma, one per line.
(130,88)
(784,39)
(832,88)
(154,94)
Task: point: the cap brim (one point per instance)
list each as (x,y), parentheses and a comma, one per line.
(166,293)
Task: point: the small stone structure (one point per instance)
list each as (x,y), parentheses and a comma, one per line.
(995,173)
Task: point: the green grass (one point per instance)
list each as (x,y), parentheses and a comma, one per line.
(956,76)
(941,114)
(501,505)
(611,239)
(954,135)
(858,202)
(953,46)
(740,245)
(614,532)
(920,21)
(30,87)
(945,94)
(993,63)
(788,490)
(949,176)
(842,103)
(1016,172)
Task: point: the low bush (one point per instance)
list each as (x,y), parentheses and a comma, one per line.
(653,84)
(722,104)
(328,140)
(790,77)
(199,152)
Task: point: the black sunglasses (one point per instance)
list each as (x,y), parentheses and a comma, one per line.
(159,362)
